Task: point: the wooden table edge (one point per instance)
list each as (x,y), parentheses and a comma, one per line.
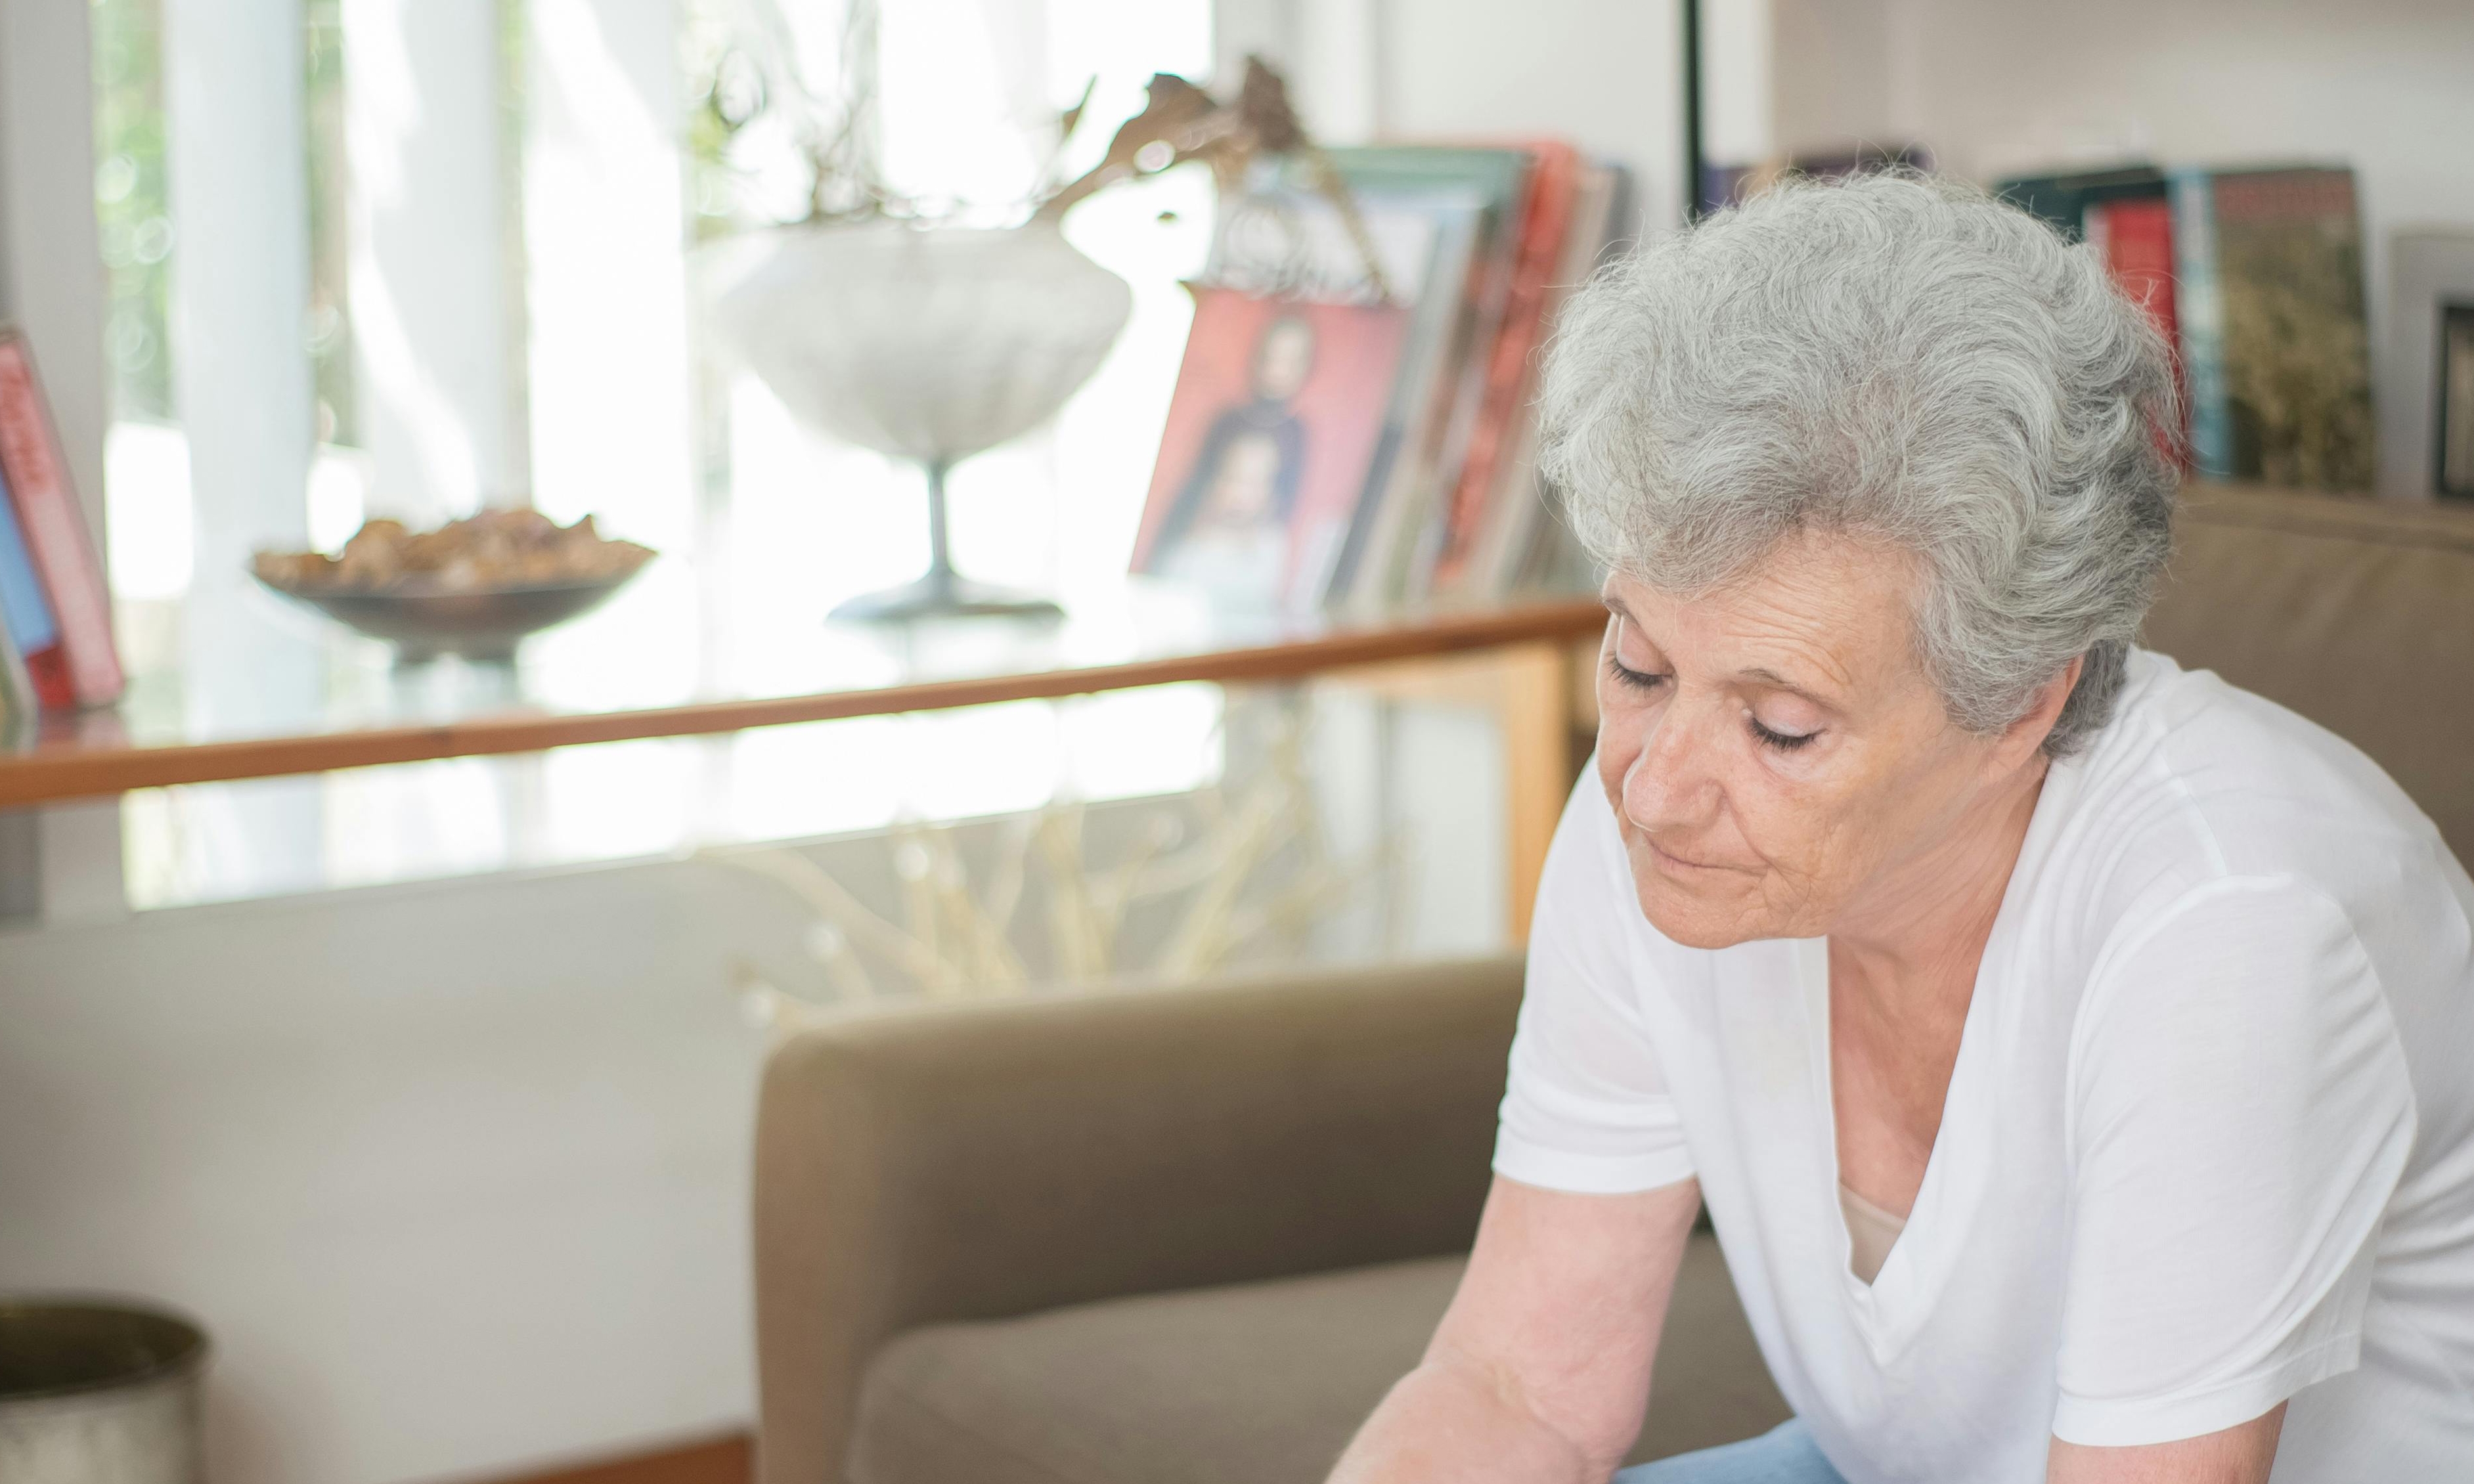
(62,772)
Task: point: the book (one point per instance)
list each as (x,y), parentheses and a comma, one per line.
(2274,345)
(2200,314)
(1424,384)
(1519,500)
(1373,570)
(35,636)
(1727,186)
(1279,236)
(2134,236)
(1556,562)
(20,708)
(2064,200)
(53,528)
(1275,417)
(1548,211)
(1278,240)
(2126,214)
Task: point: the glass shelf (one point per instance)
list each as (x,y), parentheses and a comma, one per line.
(680,652)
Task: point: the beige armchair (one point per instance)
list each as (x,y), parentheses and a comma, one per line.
(1189,1237)
(1174,1236)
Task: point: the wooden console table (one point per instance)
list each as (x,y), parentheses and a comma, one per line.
(304,698)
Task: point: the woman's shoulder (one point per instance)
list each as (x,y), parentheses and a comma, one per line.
(2196,788)
(2256,788)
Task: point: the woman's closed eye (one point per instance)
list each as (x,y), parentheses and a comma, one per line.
(1785,742)
(1637,679)
(1647,682)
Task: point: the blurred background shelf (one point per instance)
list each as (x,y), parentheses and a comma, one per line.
(173,730)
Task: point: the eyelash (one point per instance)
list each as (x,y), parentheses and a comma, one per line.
(1638,679)
(1643,680)
(1784,742)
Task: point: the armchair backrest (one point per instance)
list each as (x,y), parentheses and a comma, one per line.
(2356,613)
(973,1162)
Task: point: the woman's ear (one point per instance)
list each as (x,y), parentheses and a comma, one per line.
(2021,740)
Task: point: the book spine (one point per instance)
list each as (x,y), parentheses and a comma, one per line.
(1380,578)
(34,642)
(1554,191)
(1410,546)
(2199,308)
(1519,500)
(55,530)
(20,707)
(2137,245)
(2296,369)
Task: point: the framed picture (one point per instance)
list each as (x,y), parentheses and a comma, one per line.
(2453,467)
(1271,432)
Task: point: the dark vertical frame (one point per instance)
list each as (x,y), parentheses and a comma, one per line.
(2455,326)
(1695,202)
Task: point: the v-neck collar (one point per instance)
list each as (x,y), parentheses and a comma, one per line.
(1890,1310)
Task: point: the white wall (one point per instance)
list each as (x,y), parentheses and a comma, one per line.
(456,1176)
(51,268)
(1999,85)
(52,283)
(1603,73)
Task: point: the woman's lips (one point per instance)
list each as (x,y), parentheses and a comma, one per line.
(1678,864)
(1667,861)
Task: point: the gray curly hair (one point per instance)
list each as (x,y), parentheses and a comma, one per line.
(1898,356)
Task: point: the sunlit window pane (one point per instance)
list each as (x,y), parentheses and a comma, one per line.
(566,366)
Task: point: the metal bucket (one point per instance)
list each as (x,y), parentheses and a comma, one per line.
(98,1393)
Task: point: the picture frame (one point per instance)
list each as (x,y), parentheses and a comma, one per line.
(2452,467)
(1273,428)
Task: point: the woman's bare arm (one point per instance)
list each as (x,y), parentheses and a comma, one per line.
(2237,1455)
(1540,1370)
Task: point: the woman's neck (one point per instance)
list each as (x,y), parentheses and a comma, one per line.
(1913,941)
(1902,974)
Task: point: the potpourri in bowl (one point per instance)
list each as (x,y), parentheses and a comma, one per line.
(473,587)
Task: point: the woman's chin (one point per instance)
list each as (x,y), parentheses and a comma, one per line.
(1701,916)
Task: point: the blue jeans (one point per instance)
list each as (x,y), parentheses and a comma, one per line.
(1786,1455)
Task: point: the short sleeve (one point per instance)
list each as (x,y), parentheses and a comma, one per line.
(1585,1108)
(2241,1115)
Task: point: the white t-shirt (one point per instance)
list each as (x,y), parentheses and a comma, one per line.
(2209,1143)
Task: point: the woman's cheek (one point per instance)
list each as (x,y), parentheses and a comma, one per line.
(1622,716)
(1617,747)
(1777,821)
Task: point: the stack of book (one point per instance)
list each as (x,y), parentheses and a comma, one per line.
(1352,429)
(56,647)
(2255,276)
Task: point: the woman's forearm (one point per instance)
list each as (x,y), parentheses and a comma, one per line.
(1444,1423)
(1540,1368)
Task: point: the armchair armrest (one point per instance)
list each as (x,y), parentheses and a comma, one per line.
(976,1161)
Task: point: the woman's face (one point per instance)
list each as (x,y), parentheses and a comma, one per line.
(1773,750)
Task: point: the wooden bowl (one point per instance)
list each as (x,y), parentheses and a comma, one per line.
(478,623)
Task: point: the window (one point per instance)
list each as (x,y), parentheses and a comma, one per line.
(412,256)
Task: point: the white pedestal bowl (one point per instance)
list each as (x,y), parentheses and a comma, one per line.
(924,343)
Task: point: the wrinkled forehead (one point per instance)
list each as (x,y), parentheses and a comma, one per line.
(1815,608)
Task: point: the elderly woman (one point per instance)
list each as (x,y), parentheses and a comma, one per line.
(2075,1054)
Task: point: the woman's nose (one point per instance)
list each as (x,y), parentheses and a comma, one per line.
(1670,782)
